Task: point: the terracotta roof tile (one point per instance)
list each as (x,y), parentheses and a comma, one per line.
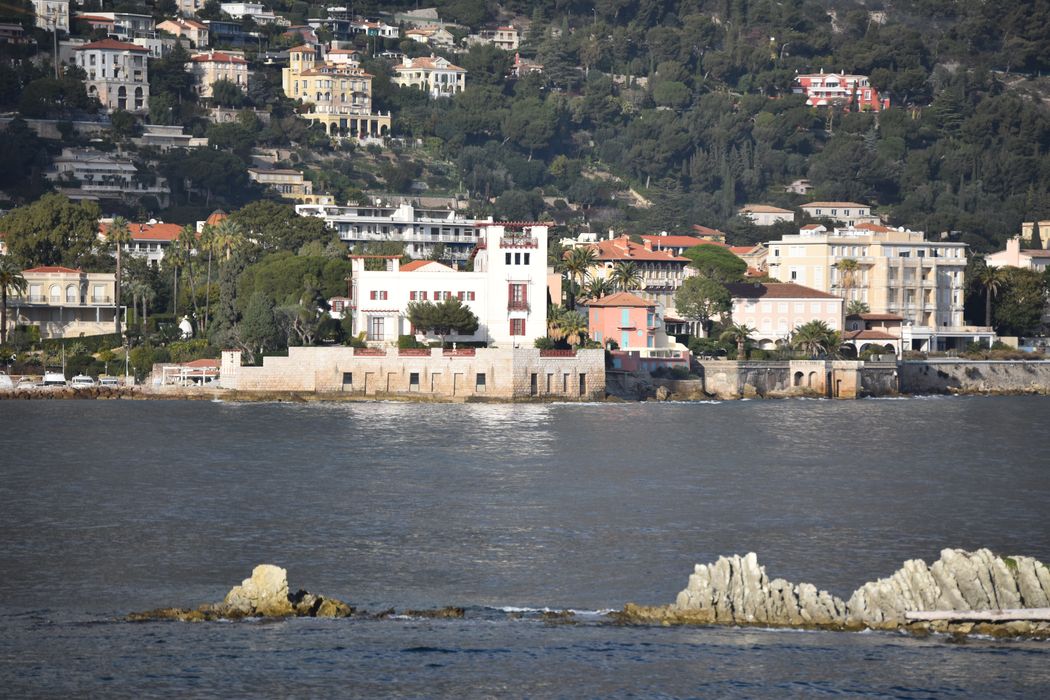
(51,268)
(112,45)
(837,205)
(623,248)
(776,290)
(621,299)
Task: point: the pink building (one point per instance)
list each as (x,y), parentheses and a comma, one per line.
(851,91)
(637,329)
(775,310)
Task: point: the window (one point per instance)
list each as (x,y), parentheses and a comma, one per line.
(470,296)
(794,273)
(71,294)
(526,258)
(376,327)
(782,307)
(517,326)
(583,384)
(372,295)
(800,307)
(479,382)
(348,379)
(508,259)
(413,381)
(413,296)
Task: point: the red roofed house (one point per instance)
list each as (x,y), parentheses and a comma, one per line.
(877,332)
(213,66)
(776,309)
(203,371)
(662,270)
(64,303)
(116,74)
(190,29)
(149,240)
(637,329)
(678,244)
(850,91)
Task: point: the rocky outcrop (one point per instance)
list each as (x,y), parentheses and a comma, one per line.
(736,591)
(958,581)
(265,594)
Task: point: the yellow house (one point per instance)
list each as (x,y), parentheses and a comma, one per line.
(336,93)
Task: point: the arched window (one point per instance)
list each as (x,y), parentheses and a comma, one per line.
(71,294)
(56,293)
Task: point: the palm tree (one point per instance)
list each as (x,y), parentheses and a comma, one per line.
(227,236)
(570,326)
(857,307)
(118,234)
(141,292)
(848,269)
(176,256)
(10,278)
(626,275)
(578,263)
(737,333)
(207,241)
(816,337)
(597,287)
(992,279)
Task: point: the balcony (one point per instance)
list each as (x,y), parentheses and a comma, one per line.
(518,242)
(517,305)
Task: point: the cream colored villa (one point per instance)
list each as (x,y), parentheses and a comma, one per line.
(434,75)
(338,93)
(64,303)
(896,271)
(116,74)
(212,66)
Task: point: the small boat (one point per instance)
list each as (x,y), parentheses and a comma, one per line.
(54,379)
(109,381)
(82,380)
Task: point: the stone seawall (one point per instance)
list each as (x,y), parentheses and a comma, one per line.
(975,377)
(494,374)
(842,379)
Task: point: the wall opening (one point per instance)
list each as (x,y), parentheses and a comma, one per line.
(798,378)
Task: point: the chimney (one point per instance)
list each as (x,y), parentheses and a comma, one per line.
(647,244)
(612,234)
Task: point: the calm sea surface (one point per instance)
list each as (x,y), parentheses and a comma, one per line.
(112,507)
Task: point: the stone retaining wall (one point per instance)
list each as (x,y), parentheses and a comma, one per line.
(832,379)
(488,373)
(975,376)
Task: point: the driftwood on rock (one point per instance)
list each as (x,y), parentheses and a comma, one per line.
(736,591)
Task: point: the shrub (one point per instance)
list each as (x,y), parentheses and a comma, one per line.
(405,342)
(545,343)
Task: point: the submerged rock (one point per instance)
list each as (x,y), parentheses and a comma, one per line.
(736,591)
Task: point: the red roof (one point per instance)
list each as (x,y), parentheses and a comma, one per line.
(776,290)
(51,268)
(623,248)
(621,299)
(112,45)
(216,216)
(416,264)
(742,249)
(202,363)
(149,232)
(217,57)
(678,241)
(704,230)
(877,228)
(869,335)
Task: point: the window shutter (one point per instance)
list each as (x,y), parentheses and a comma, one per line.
(510,292)
(372,295)
(524,292)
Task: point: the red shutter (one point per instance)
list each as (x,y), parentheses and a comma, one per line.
(510,292)
(524,295)
(372,295)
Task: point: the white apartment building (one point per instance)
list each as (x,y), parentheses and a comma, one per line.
(51,14)
(122,26)
(507,290)
(116,74)
(257,11)
(897,272)
(418,228)
(765,214)
(434,75)
(848,213)
(88,174)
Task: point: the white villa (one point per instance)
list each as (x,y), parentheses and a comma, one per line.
(507,290)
